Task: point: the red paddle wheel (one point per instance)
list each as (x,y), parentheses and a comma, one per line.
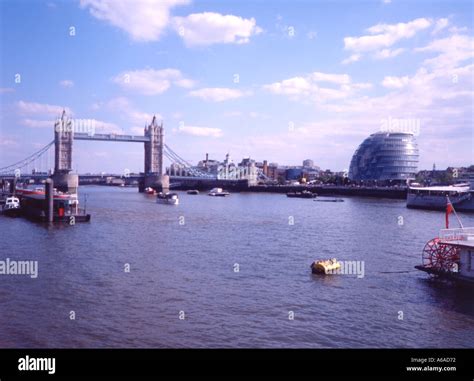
(440,256)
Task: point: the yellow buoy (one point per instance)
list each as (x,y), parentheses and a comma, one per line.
(328,266)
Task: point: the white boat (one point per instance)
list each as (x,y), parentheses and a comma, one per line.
(11,206)
(218,192)
(167,198)
(461,196)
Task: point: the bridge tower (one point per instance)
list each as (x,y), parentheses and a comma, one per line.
(63,137)
(154,156)
(154,149)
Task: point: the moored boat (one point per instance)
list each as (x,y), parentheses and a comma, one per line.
(65,206)
(302,194)
(167,198)
(218,192)
(329,199)
(434,197)
(11,207)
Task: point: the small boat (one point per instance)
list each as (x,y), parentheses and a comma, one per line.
(218,192)
(150,190)
(324,199)
(167,198)
(12,207)
(192,191)
(303,194)
(328,266)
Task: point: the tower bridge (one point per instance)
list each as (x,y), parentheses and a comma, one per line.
(154,152)
(64,135)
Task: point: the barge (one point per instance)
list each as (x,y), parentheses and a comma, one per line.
(302,194)
(34,205)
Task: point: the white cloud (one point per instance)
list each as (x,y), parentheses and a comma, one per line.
(201,131)
(388,53)
(428,95)
(240,114)
(217,94)
(66,83)
(440,25)
(143,20)
(395,82)
(352,58)
(213,28)
(125,109)
(334,78)
(43,109)
(151,81)
(99,125)
(308,87)
(96,106)
(385,35)
(361,86)
(233,114)
(137,130)
(458,30)
(259,115)
(440,99)
(102,127)
(7,142)
(185,83)
(453,50)
(33,123)
(290,86)
(441,104)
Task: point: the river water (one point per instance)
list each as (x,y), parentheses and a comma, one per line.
(229,272)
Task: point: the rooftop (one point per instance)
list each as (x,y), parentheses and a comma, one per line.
(445,188)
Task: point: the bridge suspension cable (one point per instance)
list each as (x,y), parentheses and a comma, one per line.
(174,157)
(9,169)
(261,175)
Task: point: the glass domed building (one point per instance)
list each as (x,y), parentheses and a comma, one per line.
(385,156)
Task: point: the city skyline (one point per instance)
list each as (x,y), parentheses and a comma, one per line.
(285,83)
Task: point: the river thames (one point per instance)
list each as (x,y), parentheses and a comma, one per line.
(229,272)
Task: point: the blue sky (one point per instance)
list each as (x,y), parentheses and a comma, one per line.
(281,80)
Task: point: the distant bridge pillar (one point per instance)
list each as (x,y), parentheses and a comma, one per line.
(63,137)
(154,177)
(154,148)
